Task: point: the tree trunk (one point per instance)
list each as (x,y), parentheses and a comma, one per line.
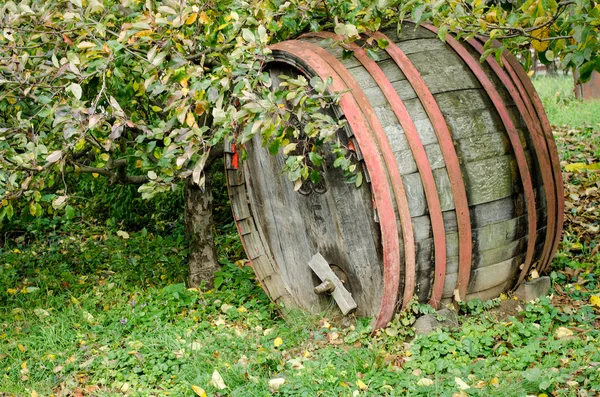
(551,69)
(199,231)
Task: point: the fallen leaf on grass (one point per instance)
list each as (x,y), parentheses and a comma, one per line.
(41,313)
(199,391)
(595,301)
(243,361)
(276,383)
(277,342)
(361,385)
(425,382)
(217,381)
(296,363)
(562,333)
(582,167)
(123,234)
(461,384)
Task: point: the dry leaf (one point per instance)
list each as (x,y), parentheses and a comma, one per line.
(217,381)
(425,382)
(562,333)
(461,384)
(276,383)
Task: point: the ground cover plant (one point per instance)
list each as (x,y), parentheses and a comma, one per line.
(97,306)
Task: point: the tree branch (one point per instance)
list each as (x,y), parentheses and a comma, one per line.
(113,177)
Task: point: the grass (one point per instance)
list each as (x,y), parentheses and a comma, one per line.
(561,106)
(85,311)
(91,316)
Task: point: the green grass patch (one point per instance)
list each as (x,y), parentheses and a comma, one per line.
(102,315)
(562,108)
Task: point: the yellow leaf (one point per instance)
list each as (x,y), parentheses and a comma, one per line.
(277,342)
(242,309)
(189,119)
(361,385)
(156,108)
(75,301)
(12,291)
(204,19)
(582,167)
(191,19)
(34,393)
(595,301)
(21,348)
(84,45)
(95,175)
(199,391)
(542,33)
(491,17)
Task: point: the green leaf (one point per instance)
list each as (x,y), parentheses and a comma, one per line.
(372,54)
(315,158)
(383,43)
(359,179)
(70,212)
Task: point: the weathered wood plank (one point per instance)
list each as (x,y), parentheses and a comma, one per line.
(489,180)
(235,177)
(342,297)
(239,202)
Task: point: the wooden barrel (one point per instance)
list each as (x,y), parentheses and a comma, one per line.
(463,196)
